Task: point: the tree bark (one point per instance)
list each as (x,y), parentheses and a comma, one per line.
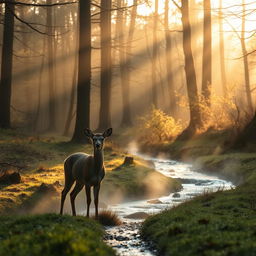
(125,60)
(169,73)
(106,70)
(6,67)
(222,52)
(194,108)
(154,56)
(248,135)
(245,60)
(84,72)
(51,78)
(207,54)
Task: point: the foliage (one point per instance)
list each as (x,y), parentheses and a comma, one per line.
(51,235)
(157,127)
(222,112)
(221,223)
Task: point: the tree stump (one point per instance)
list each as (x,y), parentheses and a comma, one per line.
(128,160)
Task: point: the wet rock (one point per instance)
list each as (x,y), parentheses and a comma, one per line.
(154,201)
(171,171)
(193,181)
(10,177)
(137,215)
(121,238)
(203,183)
(176,195)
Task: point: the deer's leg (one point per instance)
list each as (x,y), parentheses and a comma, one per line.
(88,197)
(78,187)
(64,192)
(96,190)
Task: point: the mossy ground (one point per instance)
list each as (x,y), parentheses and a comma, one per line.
(42,161)
(221,223)
(51,234)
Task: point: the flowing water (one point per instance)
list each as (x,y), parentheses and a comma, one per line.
(125,239)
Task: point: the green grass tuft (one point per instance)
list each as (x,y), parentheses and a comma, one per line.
(52,235)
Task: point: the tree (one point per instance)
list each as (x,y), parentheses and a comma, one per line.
(7,66)
(154,56)
(168,49)
(84,72)
(106,72)
(195,115)
(207,54)
(125,51)
(245,61)
(51,73)
(222,52)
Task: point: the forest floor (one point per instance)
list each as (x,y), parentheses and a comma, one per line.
(42,177)
(39,160)
(221,223)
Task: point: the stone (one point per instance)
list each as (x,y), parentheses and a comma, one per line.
(176,195)
(154,201)
(137,215)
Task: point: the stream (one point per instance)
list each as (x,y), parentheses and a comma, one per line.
(125,239)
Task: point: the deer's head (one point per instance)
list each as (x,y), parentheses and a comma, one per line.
(98,139)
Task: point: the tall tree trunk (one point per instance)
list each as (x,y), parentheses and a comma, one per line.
(195,115)
(248,135)
(51,79)
(169,72)
(6,67)
(154,56)
(72,96)
(222,52)
(125,61)
(106,72)
(127,116)
(84,72)
(207,54)
(39,89)
(245,60)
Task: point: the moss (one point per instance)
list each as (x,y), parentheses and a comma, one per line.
(51,235)
(221,225)
(138,181)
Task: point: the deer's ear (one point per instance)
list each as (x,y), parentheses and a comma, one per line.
(88,133)
(108,132)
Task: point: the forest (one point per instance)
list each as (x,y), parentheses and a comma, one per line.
(147,105)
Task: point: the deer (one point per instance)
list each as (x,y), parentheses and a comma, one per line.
(87,171)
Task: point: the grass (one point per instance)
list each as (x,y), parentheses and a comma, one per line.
(221,223)
(51,234)
(42,161)
(109,218)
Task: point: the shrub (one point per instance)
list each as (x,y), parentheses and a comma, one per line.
(157,127)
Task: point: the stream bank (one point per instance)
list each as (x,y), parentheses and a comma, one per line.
(126,239)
